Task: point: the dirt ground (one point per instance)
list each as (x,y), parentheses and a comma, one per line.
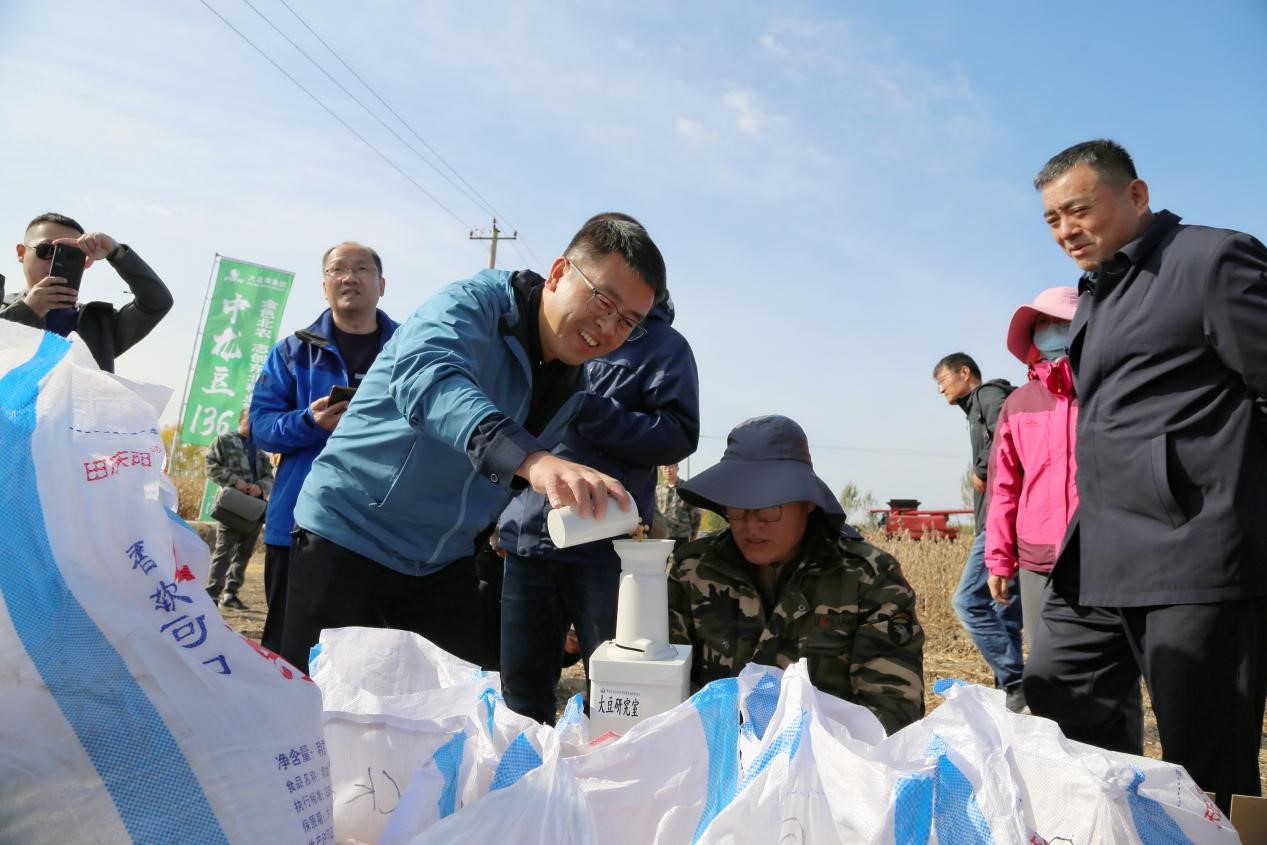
(948,653)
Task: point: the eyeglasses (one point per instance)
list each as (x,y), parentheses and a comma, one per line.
(601,306)
(362,270)
(43,250)
(773,514)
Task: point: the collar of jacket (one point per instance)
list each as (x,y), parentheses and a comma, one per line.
(1101,280)
(1056,376)
(969,399)
(321,331)
(520,321)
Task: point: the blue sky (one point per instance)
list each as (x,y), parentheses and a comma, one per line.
(841,190)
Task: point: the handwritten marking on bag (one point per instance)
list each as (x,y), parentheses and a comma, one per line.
(373,792)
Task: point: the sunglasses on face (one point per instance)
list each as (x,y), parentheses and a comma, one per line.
(43,250)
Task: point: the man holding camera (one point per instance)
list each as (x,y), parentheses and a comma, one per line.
(51,302)
(292,414)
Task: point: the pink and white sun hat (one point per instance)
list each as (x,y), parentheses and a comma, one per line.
(1057,303)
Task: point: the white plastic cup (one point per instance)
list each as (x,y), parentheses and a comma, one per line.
(569,528)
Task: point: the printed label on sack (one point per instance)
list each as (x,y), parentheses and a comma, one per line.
(306,773)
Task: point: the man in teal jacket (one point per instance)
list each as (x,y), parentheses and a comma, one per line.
(459,411)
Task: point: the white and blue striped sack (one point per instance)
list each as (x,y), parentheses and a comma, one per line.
(416,735)
(393,702)
(971,772)
(1003,777)
(531,797)
(129,712)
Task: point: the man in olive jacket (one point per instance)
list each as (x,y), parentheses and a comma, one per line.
(1169,355)
(788,579)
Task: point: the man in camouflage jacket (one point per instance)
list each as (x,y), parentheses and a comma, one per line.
(229,463)
(821,592)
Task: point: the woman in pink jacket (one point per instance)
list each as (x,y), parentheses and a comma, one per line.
(1032,494)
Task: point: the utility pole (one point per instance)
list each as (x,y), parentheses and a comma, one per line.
(493,239)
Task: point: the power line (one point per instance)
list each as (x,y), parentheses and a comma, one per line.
(488,206)
(479,202)
(341,121)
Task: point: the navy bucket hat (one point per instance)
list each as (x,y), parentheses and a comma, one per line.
(766,463)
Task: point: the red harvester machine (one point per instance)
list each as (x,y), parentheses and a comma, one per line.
(906,515)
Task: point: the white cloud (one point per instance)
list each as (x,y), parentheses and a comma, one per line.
(771,43)
(691,129)
(748,118)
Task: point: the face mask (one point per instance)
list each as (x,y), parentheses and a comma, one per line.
(1052,341)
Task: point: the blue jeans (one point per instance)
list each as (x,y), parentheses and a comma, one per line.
(995,629)
(540,599)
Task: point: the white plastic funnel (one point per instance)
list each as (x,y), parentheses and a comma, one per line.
(642,610)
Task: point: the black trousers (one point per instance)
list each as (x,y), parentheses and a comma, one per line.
(332,587)
(276,568)
(1083,674)
(1206,670)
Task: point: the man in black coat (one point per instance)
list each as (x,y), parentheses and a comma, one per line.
(1169,353)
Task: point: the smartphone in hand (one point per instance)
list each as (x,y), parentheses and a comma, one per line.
(68,263)
(341,393)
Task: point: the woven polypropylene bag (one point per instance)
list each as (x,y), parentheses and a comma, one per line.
(128,710)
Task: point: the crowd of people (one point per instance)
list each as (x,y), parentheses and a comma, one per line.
(1119,493)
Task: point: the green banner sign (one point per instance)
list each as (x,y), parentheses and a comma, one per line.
(243,317)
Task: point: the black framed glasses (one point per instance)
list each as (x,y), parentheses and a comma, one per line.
(361,271)
(771,514)
(601,306)
(43,250)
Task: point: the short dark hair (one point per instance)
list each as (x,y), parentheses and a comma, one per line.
(955,362)
(59,219)
(378,262)
(611,232)
(1109,159)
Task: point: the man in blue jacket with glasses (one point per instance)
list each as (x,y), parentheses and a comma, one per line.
(291,412)
(641,409)
(459,411)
